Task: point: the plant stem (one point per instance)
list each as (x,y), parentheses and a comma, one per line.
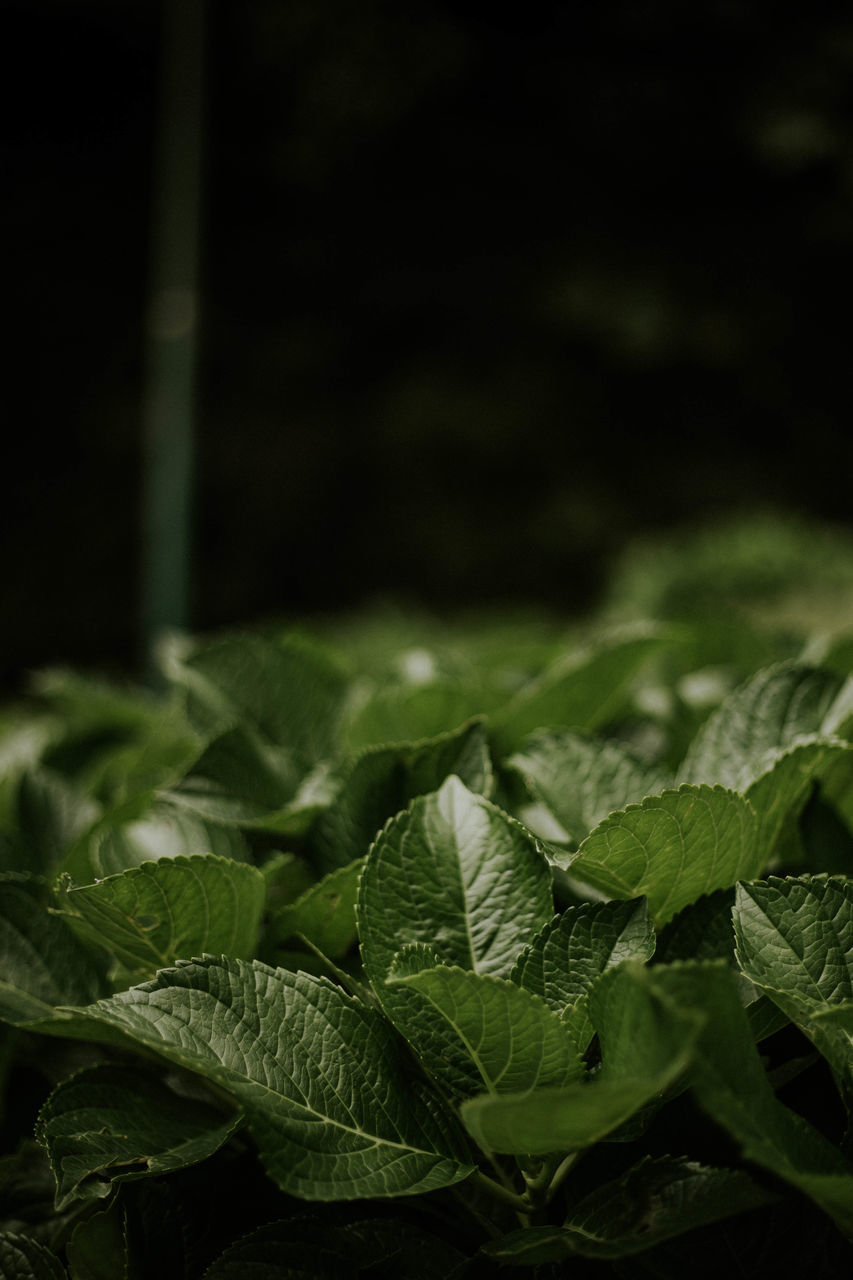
(520,1203)
(561,1174)
(539,1181)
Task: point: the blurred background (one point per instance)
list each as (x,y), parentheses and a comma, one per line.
(480,299)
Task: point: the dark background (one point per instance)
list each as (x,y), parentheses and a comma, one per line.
(484,297)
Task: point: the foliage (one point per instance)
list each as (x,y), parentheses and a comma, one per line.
(484,952)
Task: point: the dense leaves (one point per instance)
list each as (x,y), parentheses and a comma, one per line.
(521,958)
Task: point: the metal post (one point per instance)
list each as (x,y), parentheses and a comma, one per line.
(172,326)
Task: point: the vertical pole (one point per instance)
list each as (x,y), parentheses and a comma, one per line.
(172,326)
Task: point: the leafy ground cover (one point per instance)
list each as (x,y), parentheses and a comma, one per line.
(413,952)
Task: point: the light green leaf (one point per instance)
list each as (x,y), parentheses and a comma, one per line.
(582,690)
(795,942)
(412,712)
(150,916)
(42,964)
(730,1084)
(157,830)
(324,914)
(643,1053)
(386,779)
(582,780)
(109,1124)
(457,874)
(672,848)
(775,709)
(835,1015)
(478,1030)
(654,1201)
(572,952)
(24,1259)
(323,1082)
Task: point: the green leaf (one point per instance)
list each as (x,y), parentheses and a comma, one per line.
(116,743)
(42,964)
(98,1248)
(672,848)
(308,1247)
(239,778)
(386,779)
(287,878)
(773,711)
(643,1053)
(150,916)
(457,874)
(27,1193)
(835,1015)
(324,914)
(321,1078)
(795,942)
(288,690)
(50,815)
(145,831)
(24,1259)
(654,1201)
(780,793)
(730,1084)
(572,952)
(584,689)
(109,1124)
(410,713)
(582,780)
(478,1030)
(316,792)
(703,931)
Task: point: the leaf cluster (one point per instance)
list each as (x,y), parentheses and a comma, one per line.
(520,954)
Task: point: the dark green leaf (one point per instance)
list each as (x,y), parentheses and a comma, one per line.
(42,964)
(703,931)
(731,1085)
(24,1259)
(321,1078)
(98,1248)
(574,950)
(311,1248)
(795,942)
(653,1201)
(385,780)
(289,690)
(324,914)
(51,814)
(239,778)
(643,1053)
(109,1124)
